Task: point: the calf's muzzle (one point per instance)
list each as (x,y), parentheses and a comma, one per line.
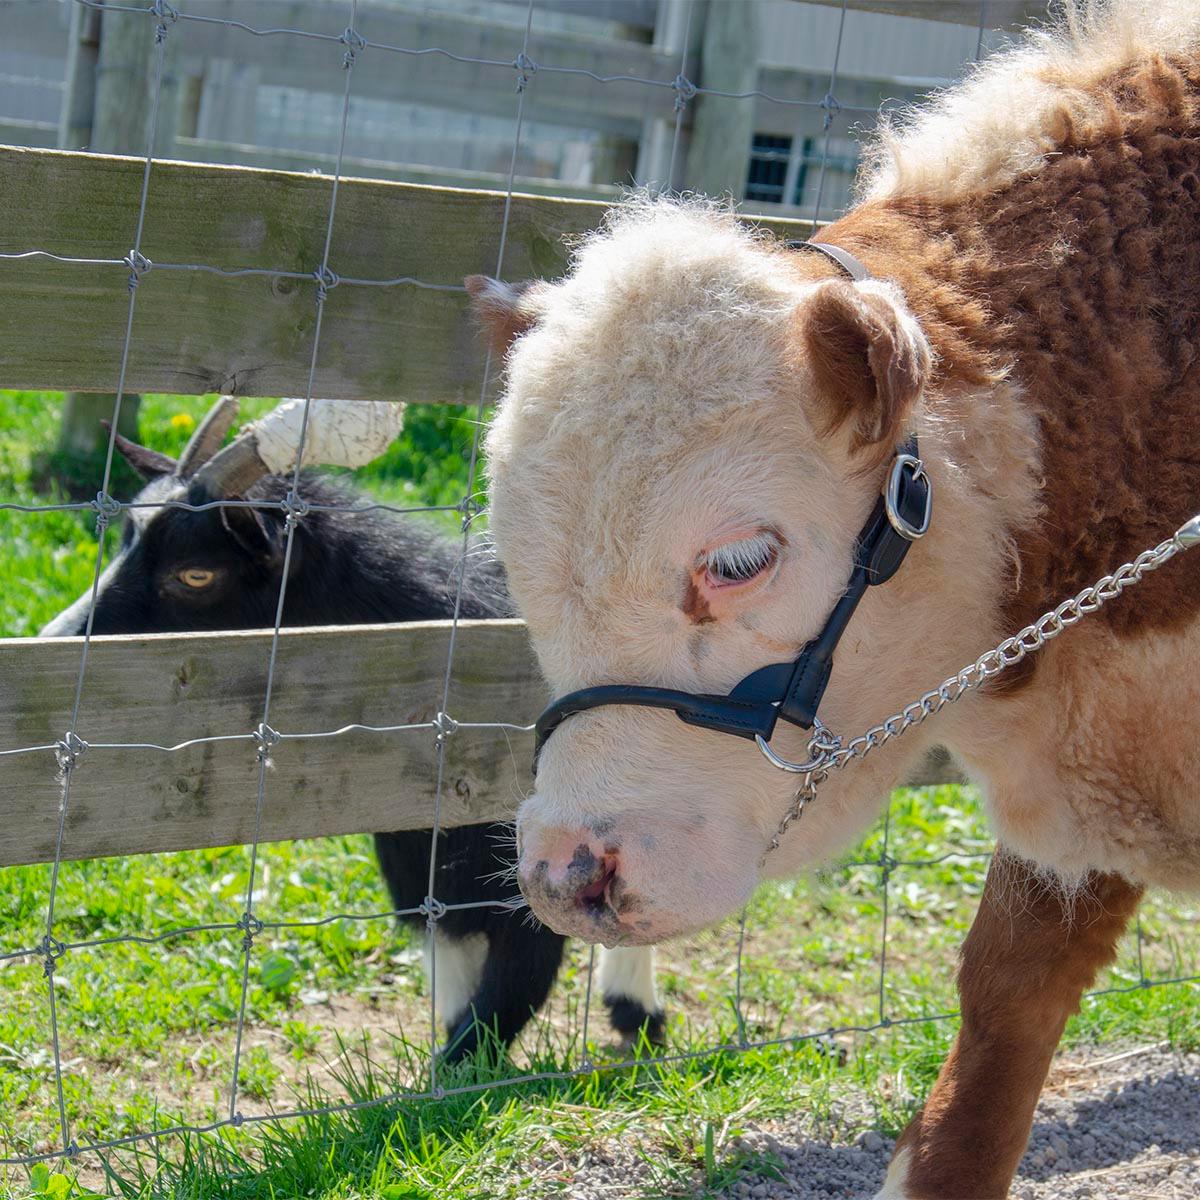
(575,886)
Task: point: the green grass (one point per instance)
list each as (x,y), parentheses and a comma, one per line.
(339,1013)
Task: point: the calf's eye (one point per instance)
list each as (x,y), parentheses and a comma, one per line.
(196,577)
(740,561)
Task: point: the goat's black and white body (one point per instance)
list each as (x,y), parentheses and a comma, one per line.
(495,966)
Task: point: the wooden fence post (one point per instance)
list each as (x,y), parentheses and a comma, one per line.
(79,91)
(106,108)
(227,102)
(723,129)
(675,20)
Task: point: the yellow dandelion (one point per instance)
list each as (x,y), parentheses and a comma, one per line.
(184,421)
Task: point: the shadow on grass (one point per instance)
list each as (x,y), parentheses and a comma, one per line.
(495,1131)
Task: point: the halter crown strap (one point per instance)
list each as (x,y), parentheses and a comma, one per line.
(843,258)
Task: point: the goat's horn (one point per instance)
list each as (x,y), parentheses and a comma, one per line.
(233,470)
(209,435)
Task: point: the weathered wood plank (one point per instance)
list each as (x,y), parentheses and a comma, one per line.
(996,14)
(61,325)
(431,78)
(636,14)
(166,689)
(27,133)
(277,158)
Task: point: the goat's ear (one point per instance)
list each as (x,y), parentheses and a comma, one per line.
(257,536)
(869,358)
(505,310)
(149,464)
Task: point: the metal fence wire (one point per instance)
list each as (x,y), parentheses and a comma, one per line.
(70,753)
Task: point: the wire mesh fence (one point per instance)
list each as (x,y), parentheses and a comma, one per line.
(69,755)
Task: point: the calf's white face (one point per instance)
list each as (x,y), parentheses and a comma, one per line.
(673,510)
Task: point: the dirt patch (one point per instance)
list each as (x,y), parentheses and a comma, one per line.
(1109,1124)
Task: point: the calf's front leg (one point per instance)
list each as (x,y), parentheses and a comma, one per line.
(1031,954)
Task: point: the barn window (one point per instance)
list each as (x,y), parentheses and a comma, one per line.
(769,155)
(787,171)
(839,174)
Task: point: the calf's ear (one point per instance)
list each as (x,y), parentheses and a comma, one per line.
(870,361)
(505,310)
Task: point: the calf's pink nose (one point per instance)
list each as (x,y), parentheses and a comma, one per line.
(592,896)
(573,887)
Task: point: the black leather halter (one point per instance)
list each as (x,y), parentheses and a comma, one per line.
(791,690)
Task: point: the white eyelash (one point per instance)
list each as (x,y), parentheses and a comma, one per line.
(741,560)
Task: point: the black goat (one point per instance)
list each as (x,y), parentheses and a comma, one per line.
(220,568)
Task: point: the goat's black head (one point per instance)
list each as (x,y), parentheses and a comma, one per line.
(181,569)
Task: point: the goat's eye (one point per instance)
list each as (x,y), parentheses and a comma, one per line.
(196,577)
(741,561)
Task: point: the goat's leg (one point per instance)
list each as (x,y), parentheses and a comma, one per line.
(518,972)
(1030,955)
(627,985)
(460,959)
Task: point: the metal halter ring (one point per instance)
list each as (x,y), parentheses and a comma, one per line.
(891,497)
(821,745)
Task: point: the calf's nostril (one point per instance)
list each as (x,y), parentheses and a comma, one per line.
(593,897)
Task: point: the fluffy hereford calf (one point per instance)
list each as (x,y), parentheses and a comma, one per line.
(697,424)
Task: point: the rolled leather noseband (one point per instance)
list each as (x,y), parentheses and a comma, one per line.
(790,690)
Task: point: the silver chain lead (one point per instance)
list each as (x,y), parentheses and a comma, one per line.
(829,753)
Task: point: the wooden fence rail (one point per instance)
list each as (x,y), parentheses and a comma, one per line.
(165,689)
(198,332)
(168,688)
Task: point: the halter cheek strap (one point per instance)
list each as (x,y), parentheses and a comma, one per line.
(789,690)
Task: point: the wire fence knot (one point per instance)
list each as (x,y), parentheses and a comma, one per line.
(294,507)
(251,927)
(138,265)
(52,950)
(327,280)
(433,910)
(69,750)
(445,725)
(831,106)
(470,508)
(266,738)
(354,42)
(106,508)
(684,89)
(164,12)
(525,68)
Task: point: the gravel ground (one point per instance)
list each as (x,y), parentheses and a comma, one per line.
(1110,1125)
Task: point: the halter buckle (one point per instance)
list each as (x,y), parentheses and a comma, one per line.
(891,497)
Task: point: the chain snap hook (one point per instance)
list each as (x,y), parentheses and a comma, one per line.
(1188,534)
